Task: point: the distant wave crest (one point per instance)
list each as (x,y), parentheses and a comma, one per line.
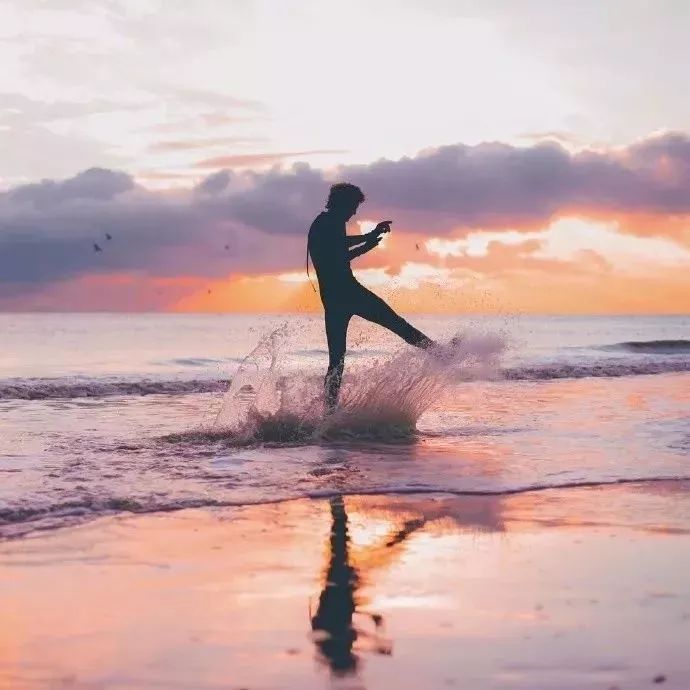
(654,347)
(48,389)
(594,370)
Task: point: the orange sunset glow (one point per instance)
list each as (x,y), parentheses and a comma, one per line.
(571,265)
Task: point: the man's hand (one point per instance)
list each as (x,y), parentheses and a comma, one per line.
(383,227)
(375,235)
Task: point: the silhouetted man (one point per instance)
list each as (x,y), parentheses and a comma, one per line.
(331,251)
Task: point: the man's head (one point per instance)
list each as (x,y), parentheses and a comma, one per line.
(343,199)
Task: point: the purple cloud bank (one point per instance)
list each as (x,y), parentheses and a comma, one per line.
(48,229)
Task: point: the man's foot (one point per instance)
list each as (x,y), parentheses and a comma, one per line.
(445,350)
(426,343)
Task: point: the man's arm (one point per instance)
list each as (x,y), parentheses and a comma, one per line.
(354,240)
(368,245)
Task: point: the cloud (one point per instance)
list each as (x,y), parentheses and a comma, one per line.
(47,229)
(246,160)
(95,183)
(496,185)
(214,183)
(204,121)
(193,144)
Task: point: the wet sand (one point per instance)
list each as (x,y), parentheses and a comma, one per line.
(559,589)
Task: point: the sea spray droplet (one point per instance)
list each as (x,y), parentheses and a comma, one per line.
(382,400)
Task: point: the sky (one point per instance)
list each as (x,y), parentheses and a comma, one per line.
(162,155)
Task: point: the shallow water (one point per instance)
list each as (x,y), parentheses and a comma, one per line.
(104,413)
(577,589)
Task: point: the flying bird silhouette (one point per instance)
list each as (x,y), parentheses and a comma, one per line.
(96,248)
(108,236)
(417,246)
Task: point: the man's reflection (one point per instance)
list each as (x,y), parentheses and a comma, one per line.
(334,630)
(335,634)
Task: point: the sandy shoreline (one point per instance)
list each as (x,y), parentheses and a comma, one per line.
(580,588)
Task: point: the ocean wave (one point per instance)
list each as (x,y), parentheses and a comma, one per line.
(200,361)
(19,521)
(545,372)
(195,361)
(653,347)
(61,389)
(55,389)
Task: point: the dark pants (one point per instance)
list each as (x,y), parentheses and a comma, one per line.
(357,300)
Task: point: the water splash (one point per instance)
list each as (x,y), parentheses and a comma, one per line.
(382,400)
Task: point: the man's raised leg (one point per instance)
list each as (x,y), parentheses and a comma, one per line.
(372,308)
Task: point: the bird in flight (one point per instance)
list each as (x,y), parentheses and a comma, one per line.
(108,236)
(96,247)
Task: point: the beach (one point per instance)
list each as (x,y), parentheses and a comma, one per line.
(175,512)
(571,589)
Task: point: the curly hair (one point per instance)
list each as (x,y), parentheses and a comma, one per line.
(344,193)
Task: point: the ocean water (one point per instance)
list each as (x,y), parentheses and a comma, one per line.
(102,413)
